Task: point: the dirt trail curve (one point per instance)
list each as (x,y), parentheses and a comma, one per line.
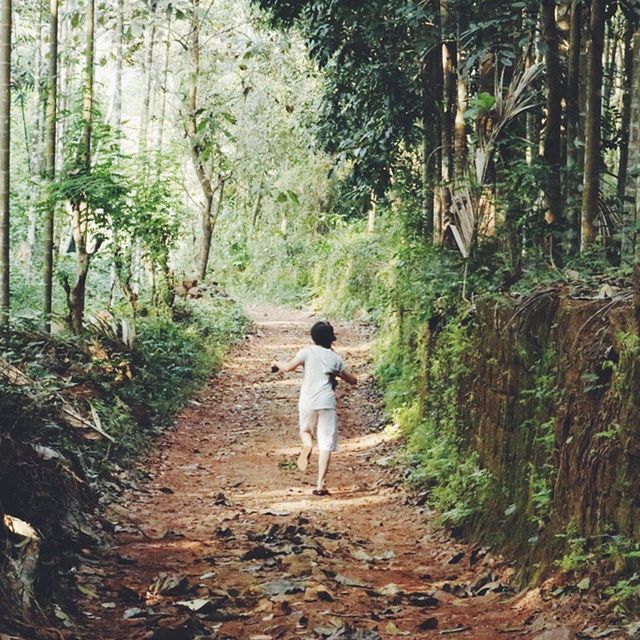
(227,525)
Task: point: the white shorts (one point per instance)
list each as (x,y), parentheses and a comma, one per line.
(322,424)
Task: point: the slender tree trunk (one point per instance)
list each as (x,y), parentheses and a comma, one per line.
(65,73)
(609,61)
(593,134)
(574,168)
(35,148)
(76,295)
(632,187)
(552,134)
(5,158)
(89,73)
(440,192)
(448,91)
(583,71)
(146,101)
(625,116)
(532,119)
(117,89)
(460,126)
(431,75)
(52,99)
(202,173)
(163,98)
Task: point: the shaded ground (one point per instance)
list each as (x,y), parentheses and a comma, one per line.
(227,525)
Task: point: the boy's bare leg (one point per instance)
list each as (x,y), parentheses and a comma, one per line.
(307,446)
(323,466)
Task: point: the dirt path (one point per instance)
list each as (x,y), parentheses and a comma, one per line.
(227,524)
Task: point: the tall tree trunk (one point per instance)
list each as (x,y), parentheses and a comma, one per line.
(552,133)
(593,133)
(117,89)
(625,116)
(611,48)
(76,295)
(66,73)
(440,191)
(35,149)
(202,173)
(148,68)
(632,187)
(583,72)
(163,97)
(5,156)
(574,168)
(89,75)
(447,26)
(50,161)
(460,125)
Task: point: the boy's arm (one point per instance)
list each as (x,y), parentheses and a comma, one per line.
(283,365)
(347,376)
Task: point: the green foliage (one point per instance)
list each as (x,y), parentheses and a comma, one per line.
(539,401)
(576,556)
(176,356)
(613,556)
(348,277)
(480,105)
(625,594)
(439,459)
(371,65)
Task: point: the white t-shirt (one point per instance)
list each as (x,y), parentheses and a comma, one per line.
(316,391)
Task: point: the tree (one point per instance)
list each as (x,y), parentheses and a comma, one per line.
(145,112)
(50,161)
(572,116)
(5,156)
(81,207)
(552,131)
(592,136)
(632,186)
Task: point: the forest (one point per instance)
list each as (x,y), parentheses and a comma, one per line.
(186,185)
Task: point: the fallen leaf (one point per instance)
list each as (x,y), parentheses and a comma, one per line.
(584,584)
(199,605)
(393,630)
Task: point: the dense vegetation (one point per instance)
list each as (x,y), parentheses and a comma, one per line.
(392,160)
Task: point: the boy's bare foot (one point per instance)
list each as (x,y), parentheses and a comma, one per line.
(303,458)
(321,492)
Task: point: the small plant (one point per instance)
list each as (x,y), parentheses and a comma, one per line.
(576,556)
(625,594)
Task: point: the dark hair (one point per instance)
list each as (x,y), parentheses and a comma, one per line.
(322,333)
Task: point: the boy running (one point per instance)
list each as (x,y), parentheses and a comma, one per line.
(317,405)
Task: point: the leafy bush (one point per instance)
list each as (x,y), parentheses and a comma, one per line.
(349,277)
(176,356)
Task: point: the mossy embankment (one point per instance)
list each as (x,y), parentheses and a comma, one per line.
(522,427)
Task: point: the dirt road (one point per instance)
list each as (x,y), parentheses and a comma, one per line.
(226,525)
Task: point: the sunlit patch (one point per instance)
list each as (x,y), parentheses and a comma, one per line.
(349,445)
(327,503)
